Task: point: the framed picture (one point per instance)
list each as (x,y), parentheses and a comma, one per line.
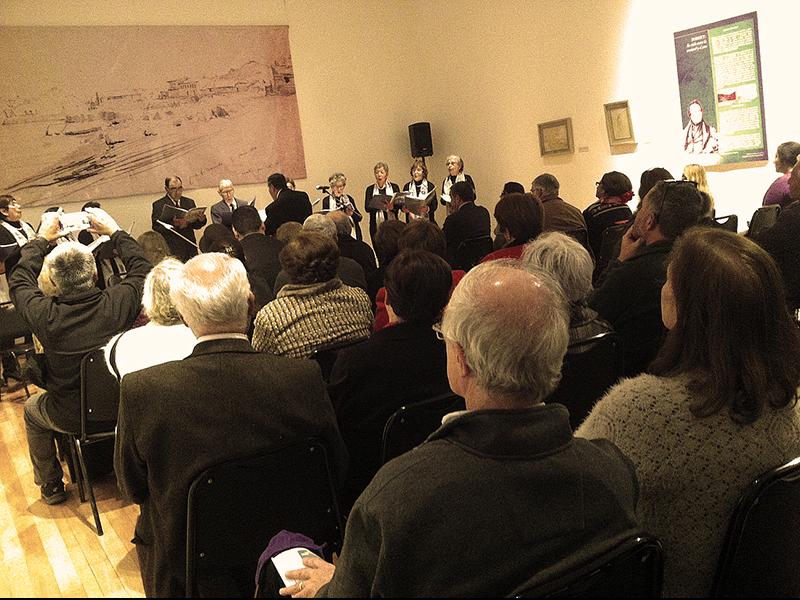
(555,137)
(619,124)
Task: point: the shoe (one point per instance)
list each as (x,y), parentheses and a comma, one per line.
(54,492)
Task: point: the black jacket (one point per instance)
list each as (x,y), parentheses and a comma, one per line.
(179,247)
(291,205)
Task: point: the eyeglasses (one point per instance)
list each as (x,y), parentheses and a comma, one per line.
(437,329)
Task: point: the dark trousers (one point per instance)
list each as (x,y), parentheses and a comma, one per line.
(41,431)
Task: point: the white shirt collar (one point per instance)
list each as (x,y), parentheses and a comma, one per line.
(222,336)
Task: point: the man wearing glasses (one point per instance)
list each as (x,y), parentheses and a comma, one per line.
(628,294)
(180,237)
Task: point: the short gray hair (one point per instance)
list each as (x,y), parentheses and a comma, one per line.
(337,177)
(156,301)
(321,223)
(565,259)
(344,226)
(512,325)
(380,165)
(212,294)
(71,267)
(547,182)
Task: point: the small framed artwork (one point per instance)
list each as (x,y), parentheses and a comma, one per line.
(555,137)
(619,124)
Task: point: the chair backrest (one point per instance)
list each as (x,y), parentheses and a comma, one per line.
(580,235)
(235,507)
(633,569)
(99,395)
(590,368)
(11,324)
(326,356)
(728,222)
(470,252)
(761,554)
(609,247)
(764,218)
(410,425)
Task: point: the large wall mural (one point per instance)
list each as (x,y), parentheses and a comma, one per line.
(101,112)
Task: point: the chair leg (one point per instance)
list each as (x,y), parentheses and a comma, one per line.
(88,482)
(75,472)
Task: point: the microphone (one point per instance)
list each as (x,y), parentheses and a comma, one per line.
(323,188)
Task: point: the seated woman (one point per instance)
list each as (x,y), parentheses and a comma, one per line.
(164,338)
(315,309)
(570,264)
(520,218)
(719,407)
(338,200)
(785,158)
(697,173)
(420,187)
(614,191)
(400,364)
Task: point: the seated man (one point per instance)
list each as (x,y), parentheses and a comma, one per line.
(398,365)
(223,401)
(558,214)
(260,251)
(349,247)
(466,220)
(501,495)
(69,325)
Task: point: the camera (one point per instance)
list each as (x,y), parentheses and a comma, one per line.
(71,222)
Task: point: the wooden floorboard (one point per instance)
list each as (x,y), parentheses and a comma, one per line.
(53,551)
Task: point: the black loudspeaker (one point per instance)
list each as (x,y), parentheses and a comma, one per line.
(419,134)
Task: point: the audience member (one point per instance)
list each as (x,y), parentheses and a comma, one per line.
(614,191)
(224,401)
(315,309)
(213,233)
(163,338)
(338,200)
(785,159)
(222,211)
(386,248)
(628,294)
(349,271)
(648,179)
(720,407)
(227,244)
(697,173)
(398,365)
(180,237)
(455,174)
(571,266)
(420,187)
(519,219)
(349,247)
(558,214)
(154,246)
(288,230)
(287,204)
(69,325)
(512,187)
(260,251)
(497,497)
(381,187)
(466,220)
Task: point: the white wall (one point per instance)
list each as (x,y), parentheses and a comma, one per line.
(484,74)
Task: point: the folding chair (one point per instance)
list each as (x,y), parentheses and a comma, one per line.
(13,328)
(764,218)
(235,507)
(760,554)
(470,252)
(729,223)
(326,356)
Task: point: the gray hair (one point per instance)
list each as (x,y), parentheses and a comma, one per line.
(321,223)
(512,325)
(156,301)
(380,165)
(71,267)
(337,177)
(547,182)
(565,259)
(344,226)
(212,294)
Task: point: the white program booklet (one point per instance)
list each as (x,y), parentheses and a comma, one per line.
(290,560)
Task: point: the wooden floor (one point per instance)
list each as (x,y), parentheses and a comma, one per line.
(53,551)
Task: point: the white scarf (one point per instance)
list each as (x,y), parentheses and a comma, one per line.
(22,235)
(447,184)
(423,189)
(382,215)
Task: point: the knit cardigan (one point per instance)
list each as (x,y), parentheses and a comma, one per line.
(306,317)
(691,470)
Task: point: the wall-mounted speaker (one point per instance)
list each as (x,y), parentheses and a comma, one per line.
(419,134)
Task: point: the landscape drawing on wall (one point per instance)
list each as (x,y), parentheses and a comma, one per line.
(101,112)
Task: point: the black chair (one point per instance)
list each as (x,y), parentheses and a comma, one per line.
(326,356)
(234,508)
(764,218)
(410,425)
(13,329)
(634,569)
(609,248)
(729,223)
(581,235)
(99,408)
(590,368)
(470,252)
(760,554)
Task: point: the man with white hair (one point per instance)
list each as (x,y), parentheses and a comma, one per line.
(78,319)
(501,496)
(225,400)
(350,272)
(221,211)
(350,247)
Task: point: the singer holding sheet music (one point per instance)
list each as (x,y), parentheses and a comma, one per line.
(184,249)
(420,187)
(381,187)
(455,173)
(338,200)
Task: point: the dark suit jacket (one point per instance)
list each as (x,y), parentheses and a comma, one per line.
(223,401)
(221,213)
(469,221)
(180,248)
(291,205)
(359,251)
(373,225)
(399,364)
(261,255)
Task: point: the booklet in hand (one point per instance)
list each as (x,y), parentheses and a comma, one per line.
(381,201)
(170,211)
(290,560)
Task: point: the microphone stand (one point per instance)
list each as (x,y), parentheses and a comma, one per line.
(171,228)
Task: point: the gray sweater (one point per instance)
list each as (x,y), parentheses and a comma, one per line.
(691,471)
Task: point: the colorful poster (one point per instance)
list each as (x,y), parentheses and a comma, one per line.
(88,113)
(722,101)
